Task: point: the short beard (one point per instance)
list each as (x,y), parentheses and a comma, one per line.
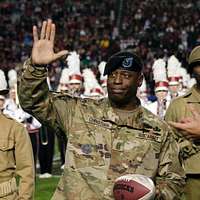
(120,103)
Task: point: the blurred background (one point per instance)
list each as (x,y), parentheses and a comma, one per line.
(95,29)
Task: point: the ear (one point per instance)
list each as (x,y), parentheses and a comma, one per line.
(140,79)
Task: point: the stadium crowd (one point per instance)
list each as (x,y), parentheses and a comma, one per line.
(96,33)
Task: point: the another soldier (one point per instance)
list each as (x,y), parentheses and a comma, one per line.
(16,158)
(106,138)
(190,148)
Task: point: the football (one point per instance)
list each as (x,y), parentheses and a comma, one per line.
(134,187)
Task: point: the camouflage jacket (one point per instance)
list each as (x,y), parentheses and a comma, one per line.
(100,146)
(178,109)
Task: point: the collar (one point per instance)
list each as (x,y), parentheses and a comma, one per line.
(193,95)
(134,120)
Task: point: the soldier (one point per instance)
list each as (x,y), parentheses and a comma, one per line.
(16,158)
(106,138)
(179,109)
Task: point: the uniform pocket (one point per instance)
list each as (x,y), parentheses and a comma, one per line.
(84,159)
(6,145)
(132,153)
(7,158)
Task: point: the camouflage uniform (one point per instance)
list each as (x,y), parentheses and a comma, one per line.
(190,150)
(101,145)
(16,159)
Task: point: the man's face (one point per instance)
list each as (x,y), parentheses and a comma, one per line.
(74,86)
(161,95)
(196,73)
(174,88)
(122,85)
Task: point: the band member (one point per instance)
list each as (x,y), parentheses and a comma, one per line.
(159,107)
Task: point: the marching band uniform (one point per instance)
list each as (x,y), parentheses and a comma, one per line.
(159,107)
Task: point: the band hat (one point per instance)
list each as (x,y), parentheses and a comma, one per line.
(173,80)
(123,60)
(173,69)
(161,86)
(75,78)
(97,91)
(160,75)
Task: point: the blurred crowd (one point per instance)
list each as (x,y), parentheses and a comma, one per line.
(97,29)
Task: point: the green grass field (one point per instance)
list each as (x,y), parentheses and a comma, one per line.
(45,188)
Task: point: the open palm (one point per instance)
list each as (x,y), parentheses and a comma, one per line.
(43,47)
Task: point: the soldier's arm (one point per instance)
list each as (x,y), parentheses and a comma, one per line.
(33,91)
(24,163)
(171,176)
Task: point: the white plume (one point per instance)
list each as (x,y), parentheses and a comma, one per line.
(3,82)
(64,78)
(90,81)
(143,87)
(12,76)
(159,70)
(173,66)
(73,61)
(101,68)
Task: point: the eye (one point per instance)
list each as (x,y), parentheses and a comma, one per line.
(126,76)
(112,75)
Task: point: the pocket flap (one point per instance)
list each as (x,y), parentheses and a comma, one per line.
(5,145)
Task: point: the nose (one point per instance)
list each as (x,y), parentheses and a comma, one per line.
(118,79)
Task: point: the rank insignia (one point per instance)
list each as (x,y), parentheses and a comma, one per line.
(127,62)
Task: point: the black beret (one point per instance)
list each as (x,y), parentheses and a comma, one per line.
(123,60)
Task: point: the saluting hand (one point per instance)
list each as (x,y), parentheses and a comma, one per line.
(43,47)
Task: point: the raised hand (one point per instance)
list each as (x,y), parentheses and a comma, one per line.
(43,47)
